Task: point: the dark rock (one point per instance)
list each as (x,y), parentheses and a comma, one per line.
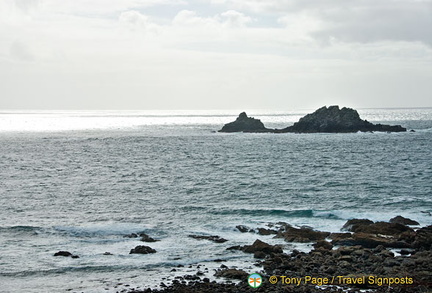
(63,253)
(132,235)
(369,241)
(353,224)
(403,221)
(261,246)
(232,274)
(146,238)
(107,253)
(303,234)
(243,228)
(142,249)
(323,244)
(216,239)
(423,238)
(326,119)
(259,254)
(235,247)
(75,256)
(339,236)
(383,228)
(243,123)
(264,231)
(333,119)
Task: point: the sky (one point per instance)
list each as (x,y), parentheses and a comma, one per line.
(214,54)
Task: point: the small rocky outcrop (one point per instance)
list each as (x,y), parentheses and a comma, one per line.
(259,248)
(423,238)
(303,234)
(243,123)
(259,245)
(322,244)
(244,229)
(369,241)
(142,249)
(404,221)
(147,238)
(232,274)
(384,228)
(213,238)
(66,254)
(353,224)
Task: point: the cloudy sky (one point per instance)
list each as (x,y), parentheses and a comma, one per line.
(215,54)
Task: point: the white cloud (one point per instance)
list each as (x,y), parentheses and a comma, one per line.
(134,21)
(191,19)
(102,7)
(234,52)
(234,18)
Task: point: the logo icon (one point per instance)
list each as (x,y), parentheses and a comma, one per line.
(255,280)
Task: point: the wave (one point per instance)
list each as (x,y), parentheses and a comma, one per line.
(21,229)
(280,213)
(104,229)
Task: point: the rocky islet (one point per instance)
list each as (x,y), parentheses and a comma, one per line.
(330,119)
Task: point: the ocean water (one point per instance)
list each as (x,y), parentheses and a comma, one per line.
(80,181)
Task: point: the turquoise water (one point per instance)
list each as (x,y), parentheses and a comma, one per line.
(81,181)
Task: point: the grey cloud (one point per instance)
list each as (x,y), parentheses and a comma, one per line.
(402,22)
(354,21)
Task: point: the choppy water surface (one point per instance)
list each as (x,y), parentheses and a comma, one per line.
(80,181)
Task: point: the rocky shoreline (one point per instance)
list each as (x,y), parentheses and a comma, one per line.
(325,119)
(393,256)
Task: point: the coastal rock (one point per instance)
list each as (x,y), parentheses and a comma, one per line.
(243,123)
(383,228)
(260,246)
(303,234)
(232,274)
(244,229)
(66,254)
(423,238)
(146,238)
(213,238)
(367,226)
(332,119)
(403,221)
(63,253)
(142,249)
(353,224)
(370,241)
(322,244)
(264,231)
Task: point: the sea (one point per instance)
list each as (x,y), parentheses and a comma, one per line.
(80,181)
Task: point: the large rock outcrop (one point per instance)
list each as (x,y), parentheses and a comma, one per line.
(243,123)
(326,119)
(333,119)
